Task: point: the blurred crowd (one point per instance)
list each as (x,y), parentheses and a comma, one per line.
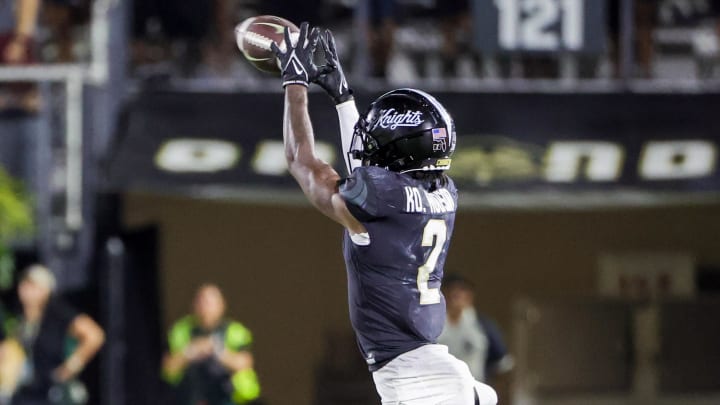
(195,38)
(400,40)
(403,40)
(49,31)
(46,346)
(39,31)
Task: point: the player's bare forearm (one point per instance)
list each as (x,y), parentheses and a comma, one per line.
(298,131)
(317,179)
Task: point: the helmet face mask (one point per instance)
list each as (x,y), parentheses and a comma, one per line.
(405,130)
(363,146)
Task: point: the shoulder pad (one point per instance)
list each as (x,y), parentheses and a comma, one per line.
(365,191)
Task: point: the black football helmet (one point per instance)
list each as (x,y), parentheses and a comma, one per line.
(405,130)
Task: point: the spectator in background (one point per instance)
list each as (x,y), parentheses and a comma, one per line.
(469,336)
(61,18)
(456,24)
(196,36)
(383,15)
(57,343)
(220,48)
(209,361)
(293,10)
(18,21)
(187,24)
(646,13)
(179,30)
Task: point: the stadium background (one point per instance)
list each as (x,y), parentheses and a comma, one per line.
(130,236)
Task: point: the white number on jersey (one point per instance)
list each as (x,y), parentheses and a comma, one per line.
(434,235)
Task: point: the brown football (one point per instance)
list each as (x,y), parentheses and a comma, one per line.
(255,35)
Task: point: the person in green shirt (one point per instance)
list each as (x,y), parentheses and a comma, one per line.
(209,361)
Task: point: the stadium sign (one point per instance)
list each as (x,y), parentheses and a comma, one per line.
(187,155)
(564,162)
(539,25)
(521,143)
(587,161)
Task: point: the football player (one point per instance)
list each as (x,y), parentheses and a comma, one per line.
(398,209)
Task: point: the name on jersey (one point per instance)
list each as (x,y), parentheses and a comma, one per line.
(392,119)
(422,202)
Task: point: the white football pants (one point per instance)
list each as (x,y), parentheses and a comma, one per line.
(429,375)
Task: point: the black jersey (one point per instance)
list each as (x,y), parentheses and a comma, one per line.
(394,281)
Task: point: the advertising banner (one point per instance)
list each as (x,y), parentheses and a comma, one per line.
(547,144)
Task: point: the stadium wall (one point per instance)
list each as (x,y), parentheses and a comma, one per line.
(282,268)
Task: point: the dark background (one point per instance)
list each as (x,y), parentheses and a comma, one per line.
(281,267)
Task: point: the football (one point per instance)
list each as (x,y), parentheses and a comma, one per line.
(255,35)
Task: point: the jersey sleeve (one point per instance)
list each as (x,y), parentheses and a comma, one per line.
(367,192)
(238,337)
(180,335)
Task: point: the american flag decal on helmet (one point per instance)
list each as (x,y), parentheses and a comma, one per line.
(440,138)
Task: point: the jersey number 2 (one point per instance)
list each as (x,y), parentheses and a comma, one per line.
(434,235)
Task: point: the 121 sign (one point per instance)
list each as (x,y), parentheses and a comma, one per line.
(540,25)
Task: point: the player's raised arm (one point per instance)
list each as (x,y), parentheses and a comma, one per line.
(336,86)
(317,179)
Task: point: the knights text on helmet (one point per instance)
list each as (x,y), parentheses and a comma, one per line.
(392,119)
